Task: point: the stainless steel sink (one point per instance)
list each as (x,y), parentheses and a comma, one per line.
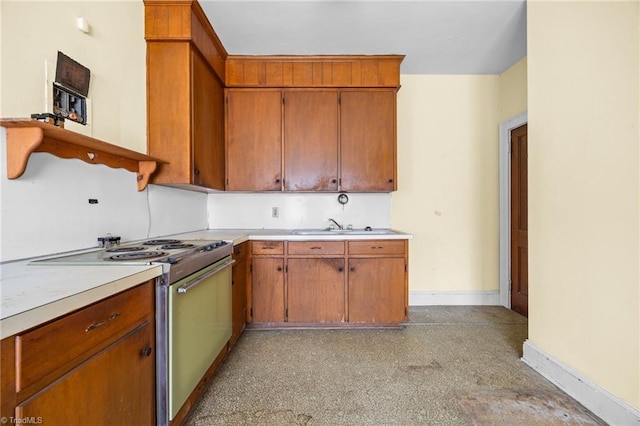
(343,232)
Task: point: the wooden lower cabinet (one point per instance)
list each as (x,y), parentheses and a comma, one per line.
(377,290)
(329,283)
(315,290)
(239,291)
(267,291)
(113,387)
(93,366)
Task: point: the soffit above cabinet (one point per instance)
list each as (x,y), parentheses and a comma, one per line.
(313,71)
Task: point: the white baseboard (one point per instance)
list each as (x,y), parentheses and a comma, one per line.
(602,403)
(432,298)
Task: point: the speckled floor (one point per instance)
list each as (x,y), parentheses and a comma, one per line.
(448,366)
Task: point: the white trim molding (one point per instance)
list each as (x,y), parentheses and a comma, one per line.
(598,400)
(505,204)
(458,298)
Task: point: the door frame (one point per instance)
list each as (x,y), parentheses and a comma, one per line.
(505,204)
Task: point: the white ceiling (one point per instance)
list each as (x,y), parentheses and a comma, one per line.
(437,37)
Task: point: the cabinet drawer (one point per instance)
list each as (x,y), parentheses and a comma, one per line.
(240,251)
(316,247)
(268,247)
(376,247)
(51,347)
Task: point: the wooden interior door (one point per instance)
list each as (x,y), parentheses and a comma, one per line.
(519,222)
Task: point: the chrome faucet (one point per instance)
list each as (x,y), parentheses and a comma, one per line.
(337,224)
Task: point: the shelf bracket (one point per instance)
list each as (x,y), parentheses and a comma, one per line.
(21,142)
(145,170)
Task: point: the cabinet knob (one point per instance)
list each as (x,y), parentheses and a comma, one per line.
(352,269)
(390,180)
(279,268)
(340,269)
(277,180)
(334,180)
(196,171)
(146,351)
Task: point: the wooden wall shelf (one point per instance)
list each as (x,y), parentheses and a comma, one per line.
(25,136)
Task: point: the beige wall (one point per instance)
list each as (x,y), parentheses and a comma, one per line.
(513,90)
(114,51)
(448,180)
(448,175)
(584,189)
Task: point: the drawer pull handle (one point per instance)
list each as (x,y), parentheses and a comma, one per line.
(376,248)
(146,351)
(315,248)
(100,324)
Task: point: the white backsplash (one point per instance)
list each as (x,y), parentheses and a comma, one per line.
(297,210)
(47,209)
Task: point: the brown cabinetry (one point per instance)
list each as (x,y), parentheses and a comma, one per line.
(368,140)
(185,95)
(94,366)
(239,291)
(331,283)
(378,281)
(254,140)
(313,71)
(316,290)
(267,282)
(333,140)
(376,291)
(316,282)
(311,140)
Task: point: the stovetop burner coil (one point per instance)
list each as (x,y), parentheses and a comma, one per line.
(137,255)
(176,246)
(125,249)
(161,242)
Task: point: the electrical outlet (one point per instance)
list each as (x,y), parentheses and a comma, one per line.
(275,212)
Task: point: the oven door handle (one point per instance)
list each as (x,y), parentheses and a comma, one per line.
(188,286)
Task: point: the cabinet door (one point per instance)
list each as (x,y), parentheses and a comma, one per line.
(267,294)
(208,125)
(315,290)
(377,290)
(368,140)
(116,385)
(254,140)
(239,291)
(311,140)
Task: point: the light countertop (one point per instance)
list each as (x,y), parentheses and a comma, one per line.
(33,294)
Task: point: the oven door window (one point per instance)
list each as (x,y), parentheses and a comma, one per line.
(199,327)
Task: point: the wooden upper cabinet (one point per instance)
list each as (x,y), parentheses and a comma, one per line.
(311,140)
(254,140)
(185,95)
(208,126)
(368,140)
